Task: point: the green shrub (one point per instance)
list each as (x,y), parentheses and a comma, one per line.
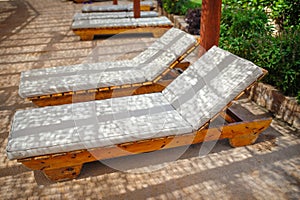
(180,7)
(285,13)
(281,57)
(242,30)
(245,32)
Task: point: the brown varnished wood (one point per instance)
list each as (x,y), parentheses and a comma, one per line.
(88,33)
(67,165)
(210,23)
(145,8)
(137,8)
(63,173)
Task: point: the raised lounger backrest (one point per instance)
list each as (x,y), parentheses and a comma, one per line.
(173,44)
(207,86)
(148,64)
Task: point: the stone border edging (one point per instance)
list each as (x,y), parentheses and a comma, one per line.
(178,20)
(284,108)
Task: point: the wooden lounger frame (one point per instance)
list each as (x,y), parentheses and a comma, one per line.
(157,85)
(65,166)
(143,7)
(86,34)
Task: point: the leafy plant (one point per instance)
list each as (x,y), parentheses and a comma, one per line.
(281,57)
(285,13)
(180,7)
(247,33)
(242,30)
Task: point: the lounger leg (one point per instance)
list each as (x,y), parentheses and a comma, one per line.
(86,37)
(243,140)
(61,174)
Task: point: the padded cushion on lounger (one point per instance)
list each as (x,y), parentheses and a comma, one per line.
(144,67)
(207,86)
(115,8)
(92,124)
(78,77)
(122,23)
(111,15)
(197,95)
(163,52)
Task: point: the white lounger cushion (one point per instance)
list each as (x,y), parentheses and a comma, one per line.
(122,22)
(207,86)
(144,67)
(111,15)
(185,105)
(115,8)
(78,77)
(92,124)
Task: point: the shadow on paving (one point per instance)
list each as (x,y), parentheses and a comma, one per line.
(19,19)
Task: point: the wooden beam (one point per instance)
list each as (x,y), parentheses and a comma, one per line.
(137,8)
(210,23)
(115,2)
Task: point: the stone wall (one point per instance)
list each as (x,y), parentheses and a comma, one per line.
(178,20)
(283,108)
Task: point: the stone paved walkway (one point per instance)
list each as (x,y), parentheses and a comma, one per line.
(36,34)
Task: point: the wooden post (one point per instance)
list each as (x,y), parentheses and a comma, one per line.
(210,23)
(137,8)
(115,2)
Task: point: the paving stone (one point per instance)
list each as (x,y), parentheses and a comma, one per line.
(268,169)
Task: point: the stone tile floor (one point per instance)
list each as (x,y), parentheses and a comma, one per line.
(36,34)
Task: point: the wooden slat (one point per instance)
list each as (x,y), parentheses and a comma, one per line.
(148,83)
(57,95)
(104,89)
(115,87)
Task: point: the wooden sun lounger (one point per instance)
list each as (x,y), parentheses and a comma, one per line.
(150,71)
(144,6)
(112,15)
(58,140)
(87,29)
